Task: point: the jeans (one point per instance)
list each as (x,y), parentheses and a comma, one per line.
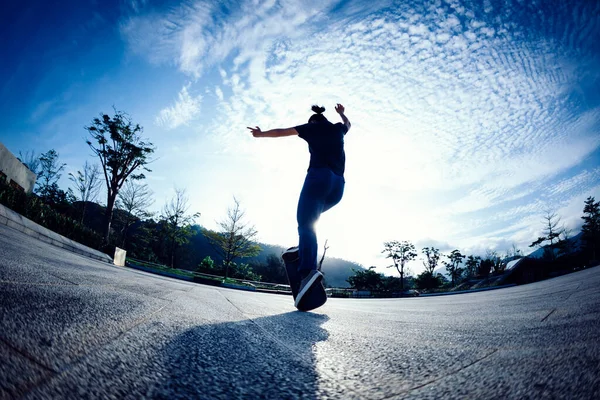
(322,190)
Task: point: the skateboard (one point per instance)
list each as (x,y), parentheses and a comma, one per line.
(316,295)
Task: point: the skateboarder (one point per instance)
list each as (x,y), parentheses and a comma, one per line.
(323,186)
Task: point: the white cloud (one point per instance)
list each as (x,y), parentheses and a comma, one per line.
(185,109)
(454,133)
(198,35)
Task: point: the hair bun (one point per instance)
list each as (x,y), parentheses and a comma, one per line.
(318,109)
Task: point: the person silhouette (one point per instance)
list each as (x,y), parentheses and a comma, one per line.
(323,186)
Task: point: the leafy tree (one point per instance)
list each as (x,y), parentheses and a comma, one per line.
(141,241)
(432,256)
(484,268)
(400,253)
(87,185)
(591,227)
(151,244)
(118,144)
(177,222)
(134,199)
(50,171)
(453,265)
(207,265)
(551,234)
(392,284)
(366,279)
(273,270)
(471,265)
(235,239)
(243,271)
(429,280)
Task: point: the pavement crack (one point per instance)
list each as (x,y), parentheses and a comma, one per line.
(572,292)
(28,356)
(549,314)
(63,279)
(443,376)
(563,301)
(19,390)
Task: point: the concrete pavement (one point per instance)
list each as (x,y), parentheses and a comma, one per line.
(72,327)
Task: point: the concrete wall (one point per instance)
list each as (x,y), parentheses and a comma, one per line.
(17,221)
(15,171)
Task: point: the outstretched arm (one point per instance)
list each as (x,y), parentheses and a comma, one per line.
(256,132)
(340,110)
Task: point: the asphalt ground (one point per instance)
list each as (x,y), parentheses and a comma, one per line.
(72,327)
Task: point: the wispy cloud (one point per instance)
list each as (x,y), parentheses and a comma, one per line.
(468,108)
(185,109)
(200,34)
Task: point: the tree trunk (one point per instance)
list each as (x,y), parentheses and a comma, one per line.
(172,252)
(402,281)
(110,203)
(401,272)
(82,222)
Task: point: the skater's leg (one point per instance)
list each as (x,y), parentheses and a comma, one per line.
(311,204)
(336,192)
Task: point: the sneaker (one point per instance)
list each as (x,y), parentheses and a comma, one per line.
(290,255)
(312,278)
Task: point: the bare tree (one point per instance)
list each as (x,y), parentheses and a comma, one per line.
(325,247)
(564,241)
(400,253)
(178,222)
(236,237)
(551,234)
(87,185)
(134,199)
(31,161)
(493,261)
(513,252)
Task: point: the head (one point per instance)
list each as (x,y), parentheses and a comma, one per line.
(318,114)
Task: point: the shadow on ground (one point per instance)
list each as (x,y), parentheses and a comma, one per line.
(269,357)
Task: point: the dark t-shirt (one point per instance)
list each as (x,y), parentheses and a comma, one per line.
(326,145)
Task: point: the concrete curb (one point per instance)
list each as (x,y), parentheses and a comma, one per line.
(16,221)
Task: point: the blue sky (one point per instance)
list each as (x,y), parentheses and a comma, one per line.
(470,119)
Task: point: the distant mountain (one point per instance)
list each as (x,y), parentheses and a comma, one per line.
(336,270)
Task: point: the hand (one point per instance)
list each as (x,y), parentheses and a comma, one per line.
(339,108)
(256,132)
